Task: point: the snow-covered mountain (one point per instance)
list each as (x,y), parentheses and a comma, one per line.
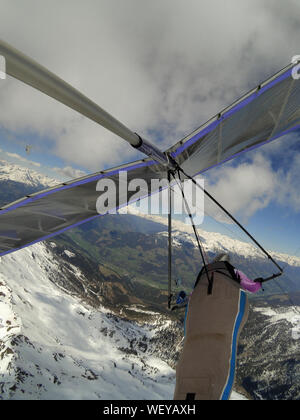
(212,241)
(268,360)
(29,177)
(52,346)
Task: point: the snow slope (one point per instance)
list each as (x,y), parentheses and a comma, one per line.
(292,316)
(54,347)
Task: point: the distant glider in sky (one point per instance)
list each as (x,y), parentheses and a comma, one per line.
(28,149)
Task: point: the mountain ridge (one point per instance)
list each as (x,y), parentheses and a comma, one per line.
(29,177)
(211,238)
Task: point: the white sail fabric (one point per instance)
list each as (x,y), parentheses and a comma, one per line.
(266,113)
(42,215)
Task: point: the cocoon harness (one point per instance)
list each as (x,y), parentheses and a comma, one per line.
(216,313)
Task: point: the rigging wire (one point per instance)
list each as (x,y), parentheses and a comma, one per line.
(225,226)
(200,246)
(179,170)
(231,217)
(233,232)
(294,305)
(199,242)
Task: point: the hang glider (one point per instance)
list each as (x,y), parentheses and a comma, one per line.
(266,113)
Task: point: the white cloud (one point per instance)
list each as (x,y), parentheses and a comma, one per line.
(288,185)
(242,190)
(22,159)
(69,172)
(254,184)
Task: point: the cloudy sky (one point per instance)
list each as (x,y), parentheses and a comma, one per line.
(163,67)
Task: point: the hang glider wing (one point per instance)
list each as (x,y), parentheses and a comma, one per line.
(264,114)
(50,212)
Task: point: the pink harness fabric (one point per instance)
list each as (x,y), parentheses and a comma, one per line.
(246,283)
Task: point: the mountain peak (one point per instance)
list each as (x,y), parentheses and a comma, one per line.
(30,177)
